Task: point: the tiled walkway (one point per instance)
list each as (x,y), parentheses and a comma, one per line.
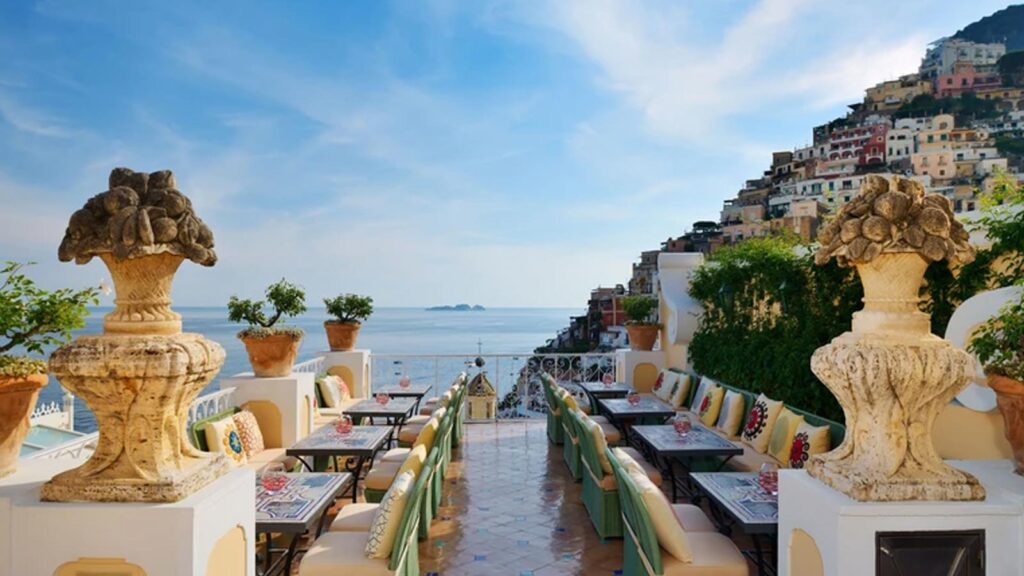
(511,508)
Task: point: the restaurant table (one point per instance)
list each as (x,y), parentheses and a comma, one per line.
(417,391)
(737,500)
(293,511)
(361,444)
(598,390)
(648,409)
(395,412)
(664,446)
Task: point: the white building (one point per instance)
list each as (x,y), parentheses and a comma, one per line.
(899,144)
(943,54)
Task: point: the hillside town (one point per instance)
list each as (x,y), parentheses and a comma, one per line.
(954,126)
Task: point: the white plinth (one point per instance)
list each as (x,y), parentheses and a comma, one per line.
(353,367)
(844,530)
(638,368)
(293,397)
(28,478)
(210,532)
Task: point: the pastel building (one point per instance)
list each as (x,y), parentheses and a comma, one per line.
(965,78)
(943,55)
(891,94)
(936,164)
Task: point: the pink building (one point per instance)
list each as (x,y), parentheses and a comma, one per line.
(965,79)
(865,144)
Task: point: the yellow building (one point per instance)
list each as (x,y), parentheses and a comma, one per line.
(891,94)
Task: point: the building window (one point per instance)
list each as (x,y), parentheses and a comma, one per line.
(970,206)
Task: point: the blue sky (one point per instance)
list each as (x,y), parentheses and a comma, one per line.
(506,153)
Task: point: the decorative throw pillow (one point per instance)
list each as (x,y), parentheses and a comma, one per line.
(570,402)
(429,431)
(781,442)
(222,436)
(711,405)
(760,422)
(249,432)
(413,461)
(668,382)
(682,391)
(667,528)
(600,443)
(329,390)
(343,390)
(388,517)
(705,383)
(807,441)
(731,415)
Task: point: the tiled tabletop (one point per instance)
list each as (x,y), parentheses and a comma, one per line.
(294,509)
(739,494)
(699,441)
(648,406)
(370,408)
(615,389)
(413,391)
(325,441)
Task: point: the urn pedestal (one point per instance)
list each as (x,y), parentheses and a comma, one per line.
(139,379)
(892,377)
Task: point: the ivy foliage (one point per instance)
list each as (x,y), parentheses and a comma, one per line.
(767,308)
(998,265)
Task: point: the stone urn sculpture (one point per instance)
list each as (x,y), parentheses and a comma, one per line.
(890,374)
(140,376)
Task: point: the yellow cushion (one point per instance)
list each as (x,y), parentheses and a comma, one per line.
(663,386)
(632,460)
(669,531)
(341,553)
(682,390)
(355,517)
(600,443)
(760,422)
(807,441)
(414,461)
(731,415)
(428,433)
(570,402)
(710,405)
(388,517)
(395,455)
(222,436)
(781,442)
(382,475)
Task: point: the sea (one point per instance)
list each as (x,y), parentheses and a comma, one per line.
(403,341)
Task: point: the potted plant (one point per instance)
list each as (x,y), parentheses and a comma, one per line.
(30,319)
(272,349)
(999,345)
(641,327)
(349,310)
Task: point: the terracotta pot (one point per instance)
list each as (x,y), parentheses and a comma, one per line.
(341,336)
(642,337)
(1010,399)
(272,356)
(17,400)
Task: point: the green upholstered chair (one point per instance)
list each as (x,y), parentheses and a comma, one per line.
(554,417)
(570,443)
(342,552)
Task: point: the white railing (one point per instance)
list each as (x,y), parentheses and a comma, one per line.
(210,404)
(78,447)
(315,365)
(516,377)
(56,414)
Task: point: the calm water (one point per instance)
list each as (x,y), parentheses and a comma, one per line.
(388,331)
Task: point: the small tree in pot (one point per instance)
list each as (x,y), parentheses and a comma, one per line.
(30,319)
(272,349)
(349,310)
(641,326)
(999,345)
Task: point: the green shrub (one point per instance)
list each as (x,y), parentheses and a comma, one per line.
(640,309)
(349,308)
(287,300)
(767,309)
(32,318)
(999,343)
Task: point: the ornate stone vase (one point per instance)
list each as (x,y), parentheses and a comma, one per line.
(1010,399)
(18,397)
(141,375)
(892,377)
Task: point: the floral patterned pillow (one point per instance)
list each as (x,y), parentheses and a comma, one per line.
(808,441)
(249,432)
(711,405)
(222,436)
(388,517)
(760,421)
